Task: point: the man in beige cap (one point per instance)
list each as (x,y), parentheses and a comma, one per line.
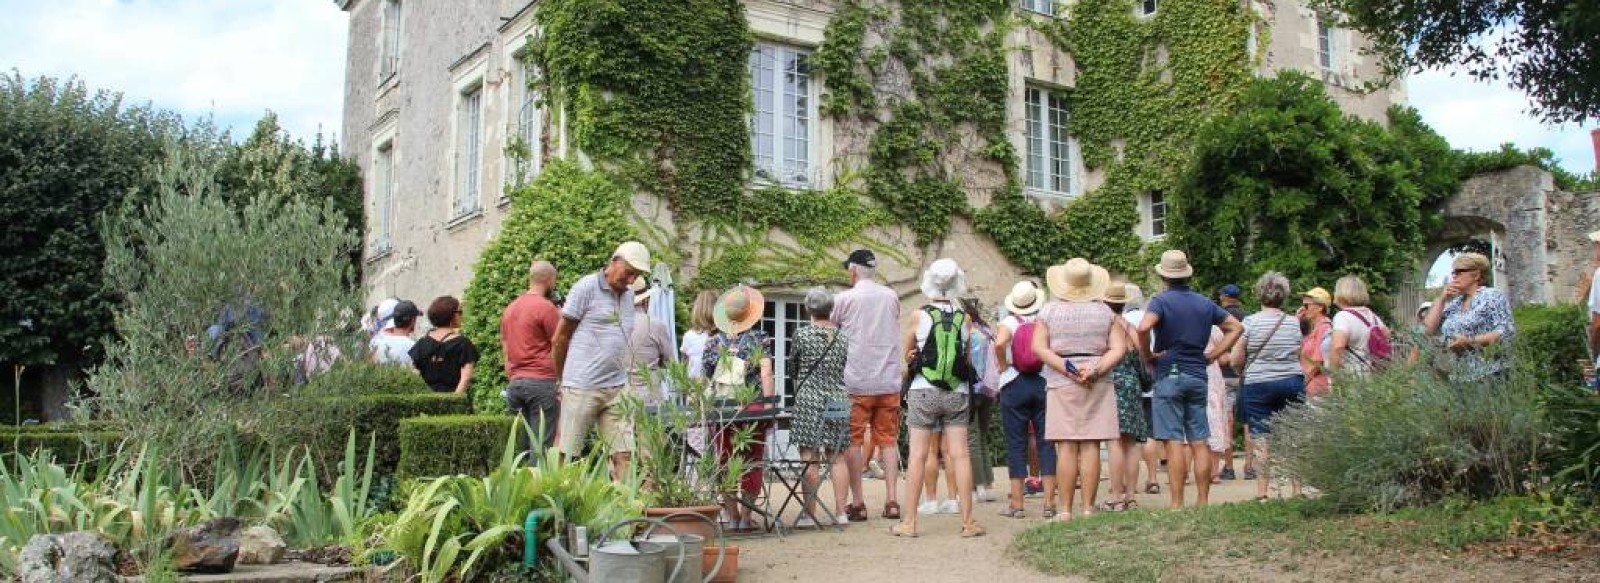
(596,321)
(1181,320)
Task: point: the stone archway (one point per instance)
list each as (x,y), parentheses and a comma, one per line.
(1512,206)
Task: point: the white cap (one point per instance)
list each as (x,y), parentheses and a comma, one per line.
(635,255)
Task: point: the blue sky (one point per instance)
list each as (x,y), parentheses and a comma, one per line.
(235,59)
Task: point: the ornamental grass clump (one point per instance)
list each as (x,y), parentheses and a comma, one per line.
(1405,437)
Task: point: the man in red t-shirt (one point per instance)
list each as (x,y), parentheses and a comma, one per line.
(526,330)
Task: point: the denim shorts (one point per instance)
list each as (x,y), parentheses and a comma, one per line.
(1178,409)
(1258,402)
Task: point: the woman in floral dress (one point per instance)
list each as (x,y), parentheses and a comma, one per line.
(821,407)
(1131,423)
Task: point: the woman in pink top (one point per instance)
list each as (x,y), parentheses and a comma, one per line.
(1314,318)
(1074,338)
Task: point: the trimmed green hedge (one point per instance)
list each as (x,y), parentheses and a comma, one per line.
(69,443)
(1549,343)
(455,444)
(329,421)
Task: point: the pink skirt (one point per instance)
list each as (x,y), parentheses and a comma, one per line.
(1073,412)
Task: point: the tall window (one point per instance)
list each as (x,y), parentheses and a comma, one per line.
(525,131)
(1324,45)
(1045,7)
(780,129)
(781,321)
(1147,7)
(1157,202)
(469,154)
(389,52)
(1049,144)
(383,195)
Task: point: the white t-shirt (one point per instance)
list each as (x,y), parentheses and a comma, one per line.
(391,349)
(1594,294)
(924,328)
(1358,358)
(693,348)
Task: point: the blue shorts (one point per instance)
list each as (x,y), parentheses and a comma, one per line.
(1258,402)
(1178,409)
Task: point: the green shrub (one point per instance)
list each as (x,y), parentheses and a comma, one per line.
(68,447)
(1404,437)
(452,444)
(1549,343)
(367,378)
(335,417)
(1573,457)
(569,217)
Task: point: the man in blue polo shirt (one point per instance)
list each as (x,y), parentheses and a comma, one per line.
(1182,321)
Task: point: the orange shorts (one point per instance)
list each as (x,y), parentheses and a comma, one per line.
(882,412)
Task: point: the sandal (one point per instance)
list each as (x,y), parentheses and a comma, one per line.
(1061,517)
(1049,511)
(972,529)
(856,512)
(891,510)
(901,530)
(1009,512)
(1152,488)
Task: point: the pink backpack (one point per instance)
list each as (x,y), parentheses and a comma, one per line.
(1378,345)
(1022,357)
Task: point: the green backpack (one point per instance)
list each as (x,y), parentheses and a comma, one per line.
(943,358)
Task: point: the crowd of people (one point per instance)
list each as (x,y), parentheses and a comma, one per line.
(1071,364)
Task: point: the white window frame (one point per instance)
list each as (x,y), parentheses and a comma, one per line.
(524,121)
(393,14)
(1043,7)
(791,313)
(1147,8)
(1327,45)
(467,171)
(383,157)
(1049,168)
(1151,203)
(778,101)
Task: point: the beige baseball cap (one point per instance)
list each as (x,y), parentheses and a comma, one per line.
(635,255)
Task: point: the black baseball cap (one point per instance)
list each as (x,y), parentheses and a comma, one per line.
(861,257)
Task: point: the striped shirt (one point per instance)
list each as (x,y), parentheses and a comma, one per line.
(1272,346)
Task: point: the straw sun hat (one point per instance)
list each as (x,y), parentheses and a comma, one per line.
(738,309)
(1077,280)
(1025,298)
(1174,265)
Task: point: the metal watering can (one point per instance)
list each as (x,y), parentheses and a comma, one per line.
(687,569)
(642,559)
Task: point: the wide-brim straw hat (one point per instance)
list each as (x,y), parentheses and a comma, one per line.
(738,309)
(1174,265)
(1116,293)
(1025,298)
(1077,281)
(944,280)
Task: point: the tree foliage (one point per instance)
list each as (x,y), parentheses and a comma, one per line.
(1547,49)
(1290,183)
(66,156)
(278,264)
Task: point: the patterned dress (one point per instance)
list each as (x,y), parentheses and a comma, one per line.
(752,346)
(1130,406)
(819,361)
(1489,311)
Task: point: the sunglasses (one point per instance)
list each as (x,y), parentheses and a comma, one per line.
(1456,272)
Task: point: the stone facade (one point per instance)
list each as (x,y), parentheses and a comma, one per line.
(1296,39)
(406,127)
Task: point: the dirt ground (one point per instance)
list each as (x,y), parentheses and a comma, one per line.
(865,551)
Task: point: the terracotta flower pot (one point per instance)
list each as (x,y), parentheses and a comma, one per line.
(729,571)
(689,524)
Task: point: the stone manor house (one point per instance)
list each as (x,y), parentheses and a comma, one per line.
(434,92)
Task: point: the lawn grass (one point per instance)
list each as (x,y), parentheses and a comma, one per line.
(1276,537)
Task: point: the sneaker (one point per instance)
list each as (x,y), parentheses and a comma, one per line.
(928,507)
(985,495)
(1032,486)
(805,522)
(1227,474)
(1249,473)
(874,471)
(949,507)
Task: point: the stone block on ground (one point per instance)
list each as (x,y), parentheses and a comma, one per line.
(74,557)
(212,547)
(260,545)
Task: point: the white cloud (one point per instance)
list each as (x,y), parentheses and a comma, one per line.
(233,59)
(1477,115)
